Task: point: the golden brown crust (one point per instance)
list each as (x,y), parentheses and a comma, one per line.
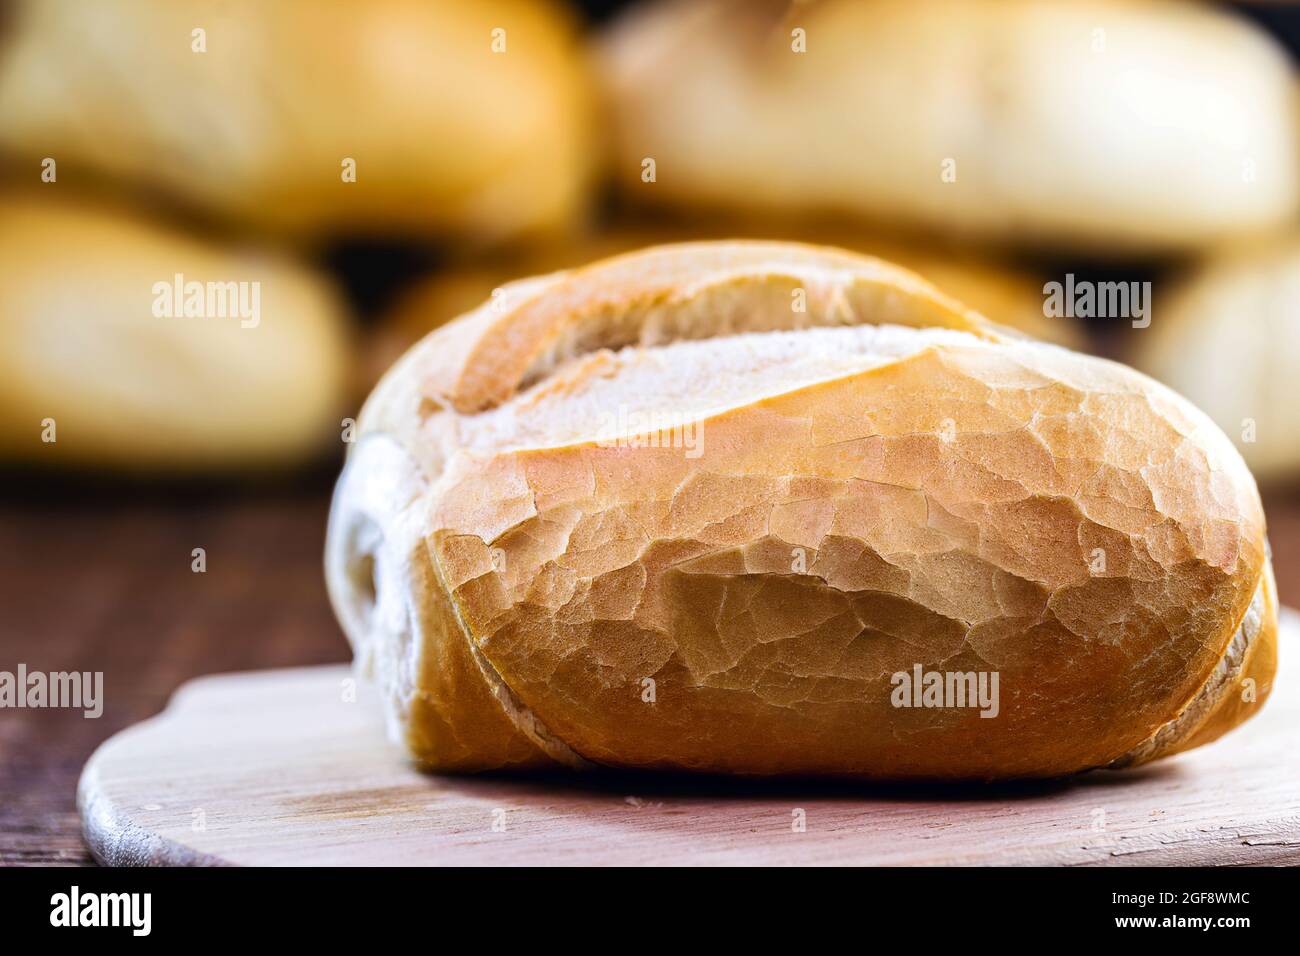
(407,637)
(1240,683)
(976,503)
(1242,699)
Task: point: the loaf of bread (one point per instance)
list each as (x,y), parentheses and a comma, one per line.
(448,118)
(130,345)
(1102,125)
(767,508)
(1227,336)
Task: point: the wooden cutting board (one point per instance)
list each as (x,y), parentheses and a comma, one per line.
(282,767)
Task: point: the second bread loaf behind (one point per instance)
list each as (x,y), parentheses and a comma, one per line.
(1108,125)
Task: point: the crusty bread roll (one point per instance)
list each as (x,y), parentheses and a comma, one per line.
(93,338)
(826,499)
(449,137)
(1227,336)
(1104,125)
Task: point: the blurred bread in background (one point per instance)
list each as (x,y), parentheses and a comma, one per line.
(943,135)
(463,119)
(1005,293)
(1228,338)
(245,367)
(1103,126)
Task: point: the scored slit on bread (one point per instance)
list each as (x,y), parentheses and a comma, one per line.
(681,382)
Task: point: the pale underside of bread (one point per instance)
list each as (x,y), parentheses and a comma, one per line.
(929,490)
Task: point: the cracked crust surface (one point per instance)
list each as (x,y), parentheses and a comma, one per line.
(881,481)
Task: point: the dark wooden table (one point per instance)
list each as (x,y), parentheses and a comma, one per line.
(101,581)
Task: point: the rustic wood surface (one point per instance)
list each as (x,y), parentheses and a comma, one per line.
(286,767)
(102,581)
